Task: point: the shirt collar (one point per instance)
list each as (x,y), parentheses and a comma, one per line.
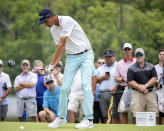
(145,63)
(125,60)
(111,65)
(29,73)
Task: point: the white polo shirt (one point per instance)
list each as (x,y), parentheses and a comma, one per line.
(4,79)
(26,92)
(77,40)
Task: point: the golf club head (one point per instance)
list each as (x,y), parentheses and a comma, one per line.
(11,63)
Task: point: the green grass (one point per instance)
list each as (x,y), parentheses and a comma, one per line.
(30,126)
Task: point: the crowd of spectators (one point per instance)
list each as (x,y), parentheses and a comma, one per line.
(38,92)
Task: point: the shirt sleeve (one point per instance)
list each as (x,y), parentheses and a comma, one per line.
(56,39)
(45,102)
(67,24)
(130,75)
(8,82)
(98,72)
(154,73)
(34,79)
(117,73)
(94,73)
(16,82)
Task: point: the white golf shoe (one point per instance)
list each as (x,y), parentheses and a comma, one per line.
(57,122)
(84,124)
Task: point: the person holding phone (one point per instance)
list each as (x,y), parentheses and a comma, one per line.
(107,83)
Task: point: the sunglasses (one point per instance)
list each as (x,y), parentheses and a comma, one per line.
(137,55)
(101,62)
(49,82)
(0,66)
(127,49)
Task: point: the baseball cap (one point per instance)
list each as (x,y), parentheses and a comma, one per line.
(44,14)
(127,45)
(139,50)
(48,78)
(25,61)
(109,53)
(1,62)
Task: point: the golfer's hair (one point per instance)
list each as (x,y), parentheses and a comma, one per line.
(37,61)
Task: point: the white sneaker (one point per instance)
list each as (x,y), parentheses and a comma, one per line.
(85,124)
(57,122)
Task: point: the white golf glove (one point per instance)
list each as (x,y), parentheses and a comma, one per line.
(49,68)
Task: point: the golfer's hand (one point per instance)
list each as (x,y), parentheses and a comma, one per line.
(49,68)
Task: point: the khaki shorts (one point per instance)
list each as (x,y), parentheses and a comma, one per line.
(75,101)
(141,102)
(31,107)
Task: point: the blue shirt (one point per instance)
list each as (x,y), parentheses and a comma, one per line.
(106,85)
(51,101)
(40,89)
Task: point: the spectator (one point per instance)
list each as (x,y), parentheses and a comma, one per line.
(76,97)
(141,77)
(121,77)
(105,77)
(26,93)
(58,76)
(50,100)
(40,87)
(5,86)
(96,107)
(160,75)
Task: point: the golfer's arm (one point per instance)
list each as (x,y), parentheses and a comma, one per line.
(59,51)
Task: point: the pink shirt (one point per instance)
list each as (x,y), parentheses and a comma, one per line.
(122,68)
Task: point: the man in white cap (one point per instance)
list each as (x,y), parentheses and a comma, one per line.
(141,77)
(121,77)
(70,39)
(25,87)
(5,86)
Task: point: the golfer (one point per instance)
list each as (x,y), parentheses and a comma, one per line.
(70,39)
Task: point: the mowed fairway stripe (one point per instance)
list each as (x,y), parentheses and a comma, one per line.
(30,126)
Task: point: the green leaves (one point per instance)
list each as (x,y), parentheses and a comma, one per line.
(22,37)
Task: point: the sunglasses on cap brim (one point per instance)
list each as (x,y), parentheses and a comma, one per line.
(137,55)
(49,82)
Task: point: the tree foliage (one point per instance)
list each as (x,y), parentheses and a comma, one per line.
(22,37)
